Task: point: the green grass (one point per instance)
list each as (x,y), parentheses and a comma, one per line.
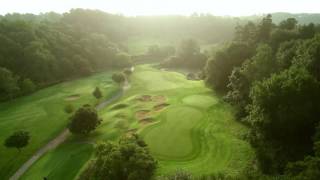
(201,101)
(43,116)
(196,132)
(171,139)
(62,163)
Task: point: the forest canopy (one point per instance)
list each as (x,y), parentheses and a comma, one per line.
(270,73)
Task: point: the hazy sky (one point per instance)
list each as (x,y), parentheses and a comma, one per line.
(162,7)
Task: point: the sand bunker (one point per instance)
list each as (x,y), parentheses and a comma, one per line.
(131,131)
(121,124)
(142,114)
(146,120)
(145,98)
(120,115)
(149,98)
(72,97)
(159,99)
(160,106)
(119,106)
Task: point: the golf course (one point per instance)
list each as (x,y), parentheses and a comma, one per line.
(185,125)
(42,114)
(159,90)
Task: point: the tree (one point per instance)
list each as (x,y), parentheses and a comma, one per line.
(307,31)
(154,50)
(260,66)
(283,115)
(307,169)
(84,120)
(17,140)
(288,24)
(68,108)
(82,65)
(308,55)
(97,93)
(118,77)
(27,86)
(129,159)
(8,84)
(246,33)
(122,60)
(162,52)
(188,48)
(219,68)
(264,29)
(127,71)
(187,56)
(286,54)
(282,35)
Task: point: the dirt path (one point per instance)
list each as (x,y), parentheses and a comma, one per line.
(64,135)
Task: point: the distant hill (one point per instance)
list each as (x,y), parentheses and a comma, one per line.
(303,18)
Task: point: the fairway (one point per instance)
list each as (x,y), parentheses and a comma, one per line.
(54,163)
(196,132)
(200,101)
(42,114)
(191,130)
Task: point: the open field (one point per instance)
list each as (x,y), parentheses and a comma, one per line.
(185,126)
(42,114)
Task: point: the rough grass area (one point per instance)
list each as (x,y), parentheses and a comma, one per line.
(42,114)
(62,163)
(119,106)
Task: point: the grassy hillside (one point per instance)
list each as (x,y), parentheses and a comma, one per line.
(42,114)
(184,124)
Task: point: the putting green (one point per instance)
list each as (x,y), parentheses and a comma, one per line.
(201,101)
(172,139)
(219,148)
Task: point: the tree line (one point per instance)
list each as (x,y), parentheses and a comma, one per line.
(270,73)
(39,50)
(35,53)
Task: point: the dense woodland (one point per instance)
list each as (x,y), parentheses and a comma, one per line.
(39,50)
(270,73)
